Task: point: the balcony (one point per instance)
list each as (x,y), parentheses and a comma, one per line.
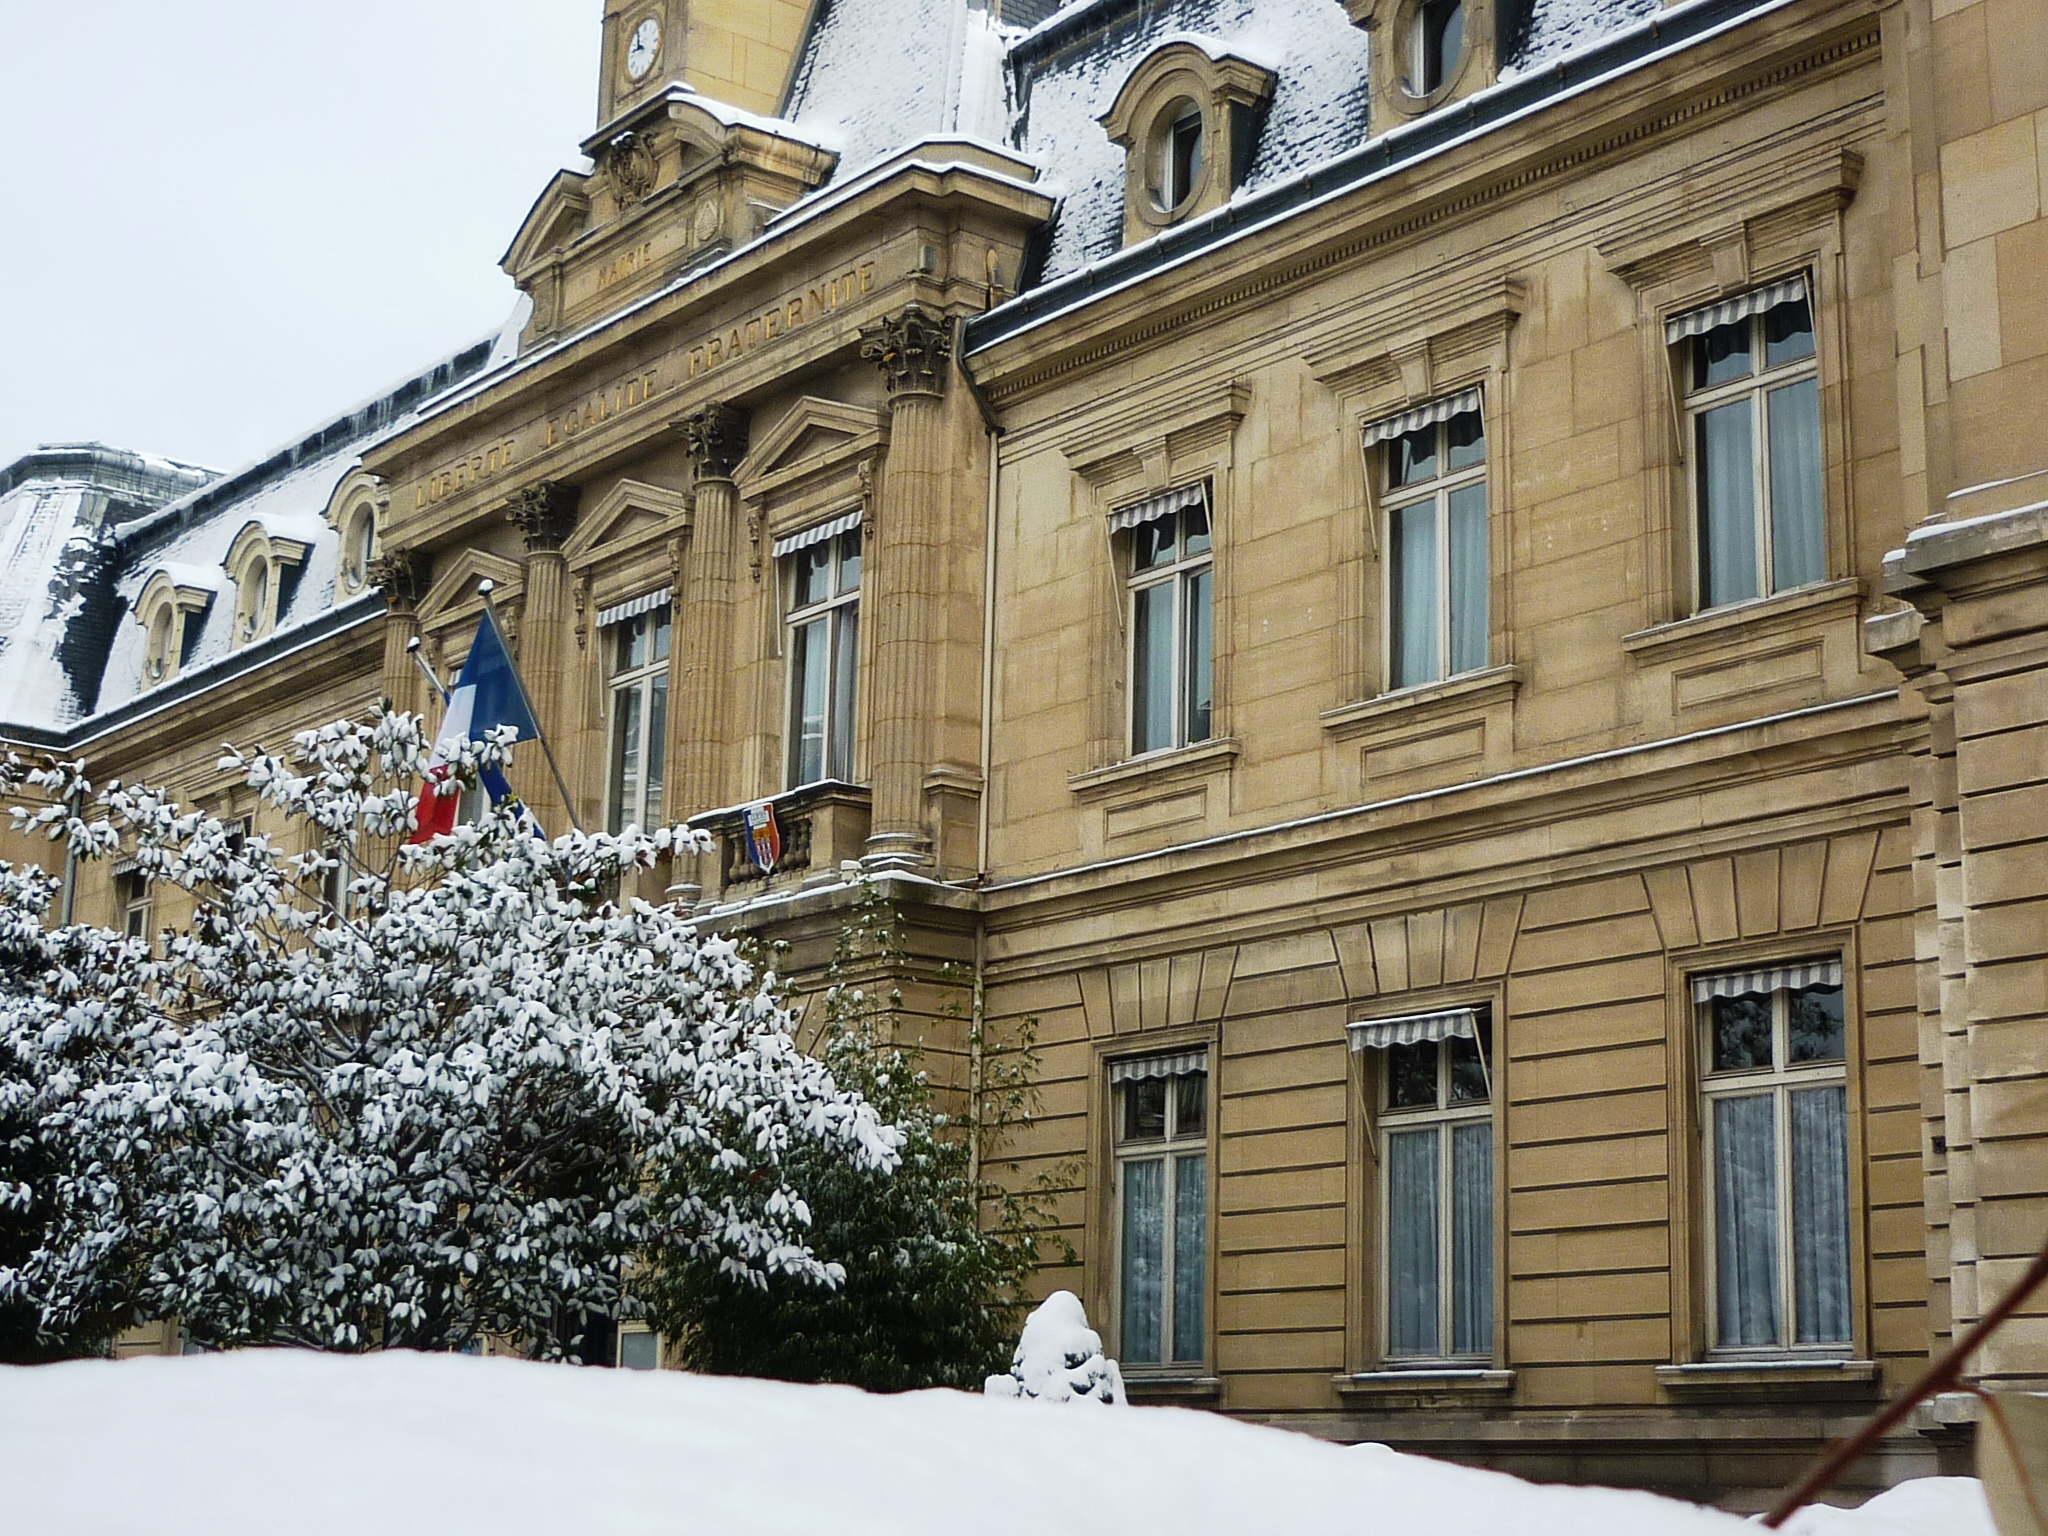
(823,826)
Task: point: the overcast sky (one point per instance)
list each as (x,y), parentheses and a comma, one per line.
(227,221)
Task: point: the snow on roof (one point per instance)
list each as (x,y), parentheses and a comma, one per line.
(334,1445)
(1553,28)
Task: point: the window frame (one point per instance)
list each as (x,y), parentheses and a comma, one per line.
(1181,571)
(133,898)
(644,681)
(1779,1081)
(1389,502)
(1168,1150)
(1441,1118)
(839,610)
(1696,401)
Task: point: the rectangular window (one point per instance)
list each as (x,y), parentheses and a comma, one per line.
(1162,1191)
(1776,1142)
(639,719)
(824,654)
(1435,502)
(1753,404)
(639,1348)
(1172,595)
(1436,1124)
(132,893)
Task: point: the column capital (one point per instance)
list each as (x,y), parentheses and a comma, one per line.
(716,438)
(912,349)
(544,512)
(401,575)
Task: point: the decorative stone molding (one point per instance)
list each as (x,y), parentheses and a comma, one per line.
(401,575)
(912,349)
(1228,90)
(545,514)
(630,168)
(716,439)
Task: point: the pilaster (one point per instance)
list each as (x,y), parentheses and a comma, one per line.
(401,575)
(701,675)
(545,514)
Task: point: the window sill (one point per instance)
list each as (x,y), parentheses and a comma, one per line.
(1194,1390)
(1471,690)
(1178,763)
(1746,621)
(1760,1378)
(1426,1382)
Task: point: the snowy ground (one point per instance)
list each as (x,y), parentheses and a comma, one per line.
(322,1445)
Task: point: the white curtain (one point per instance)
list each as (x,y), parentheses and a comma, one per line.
(1727,501)
(1820,1215)
(1412,1207)
(1152,668)
(1144,1266)
(1798,547)
(1472,1239)
(1190,1253)
(1468,579)
(1746,1219)
(1415,625)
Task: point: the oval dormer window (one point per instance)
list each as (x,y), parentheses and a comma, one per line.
(1178,150)
(1435,45)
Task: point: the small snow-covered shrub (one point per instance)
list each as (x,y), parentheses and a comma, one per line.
(379,1095)
(1060,1359)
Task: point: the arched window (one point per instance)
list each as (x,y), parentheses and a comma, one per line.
(1177,155)
(1435,43)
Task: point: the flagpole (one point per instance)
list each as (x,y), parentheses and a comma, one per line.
(412,649)
(484,589)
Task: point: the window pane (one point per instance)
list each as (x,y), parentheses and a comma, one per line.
(1190,1254)
(1468,1076)
(1185,153)
(1746,1219)
(625,795)
(657,751)
(1143,1260)
(1472,1239)
(1720,355)
(1191,1103)
(1411,459)
(1468,579)
(1152,668)
(1816,1024)
(1152,544)
(849,561)
(807,702)
(1195,529)
(1412,1207)
(1195,661)
(1820,1215)
(1145,1109)
(1466,437)
(1727,504)
(639,1350)
(1788,333)
(626,647)
(1742,1033)
(845,682)
(1411,1076)
(660,619)
(813,574)
(1798,539)
(1414,594)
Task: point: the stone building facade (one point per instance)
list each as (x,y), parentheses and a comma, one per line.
(1448,601)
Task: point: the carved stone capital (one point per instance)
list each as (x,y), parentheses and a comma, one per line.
(545,513)
(401,575)
(912,349)
(716,438)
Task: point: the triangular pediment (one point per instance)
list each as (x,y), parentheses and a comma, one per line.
(454,591)
(561,213)
(631,512)
(813,435)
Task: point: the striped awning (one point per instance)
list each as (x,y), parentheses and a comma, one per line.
(647,602)
(1414,1029)
(1173,1064)
(1697,322)
(1391,427)
(817,533)
(1156,507)
(1761,983)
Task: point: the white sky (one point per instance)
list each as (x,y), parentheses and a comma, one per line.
(227,221)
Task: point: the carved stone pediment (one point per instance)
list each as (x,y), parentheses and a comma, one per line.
(679,179)
(453,596)
(815,440)
(626,519)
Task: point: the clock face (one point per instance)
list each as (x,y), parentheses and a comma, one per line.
(641,51)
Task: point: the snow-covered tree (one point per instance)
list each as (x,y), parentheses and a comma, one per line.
(371,1094)
(1059,1359)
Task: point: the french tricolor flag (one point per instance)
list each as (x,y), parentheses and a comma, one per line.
(486,695)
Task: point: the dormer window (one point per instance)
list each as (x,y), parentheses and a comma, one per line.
(1187,120)
(353,515)
(171,608)
(265,568)
(1436,40)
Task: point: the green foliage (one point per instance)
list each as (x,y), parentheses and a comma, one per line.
(934,1257)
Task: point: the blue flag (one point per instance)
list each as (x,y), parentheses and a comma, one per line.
(487,694)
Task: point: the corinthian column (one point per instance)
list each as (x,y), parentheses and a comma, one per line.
(913,350)
(401,576)
(544,514)
(701,718)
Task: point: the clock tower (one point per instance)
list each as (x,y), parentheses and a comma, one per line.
(740,52)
